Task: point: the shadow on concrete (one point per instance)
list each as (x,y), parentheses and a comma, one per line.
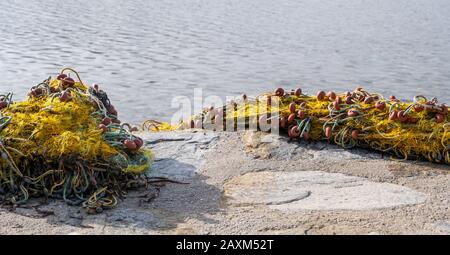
(157,209)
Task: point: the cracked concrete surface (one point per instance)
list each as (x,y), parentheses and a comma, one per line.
(255,183)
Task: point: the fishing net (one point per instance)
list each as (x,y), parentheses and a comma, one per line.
(66,141)
(416,129)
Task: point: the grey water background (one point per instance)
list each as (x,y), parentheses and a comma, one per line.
(145,52)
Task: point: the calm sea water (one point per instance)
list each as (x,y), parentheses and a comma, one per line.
(144,52)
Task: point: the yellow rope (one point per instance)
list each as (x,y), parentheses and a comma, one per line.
(411,133)
(57,143)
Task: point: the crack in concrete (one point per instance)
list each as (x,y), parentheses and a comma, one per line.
(303,196)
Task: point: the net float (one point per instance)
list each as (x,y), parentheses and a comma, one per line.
(292,107)
(393,115)
(198,124)
(298,92)
(289,132)
(320,95)
(262,120)
(279,92)
(444,110)
(402,116)
(65,96)
(336,106)
(303,105)
(306,136)
(301,114)
(139,142)
(68,82)
(355,134)
(418,107)
(380,105)
(348,94)
(294,132)
(61,76)
(338,100)
(3,104)
(37,92)
(392,98)
(349,100)
(106,121)
(103,128)
(369,100)
(218,120)
(134,129)
(291,118)
(282,121)
(328,132)
(440,118)
(116,121)
(244,97)
(111,110)
(129,144)
(331,95)
(352,113)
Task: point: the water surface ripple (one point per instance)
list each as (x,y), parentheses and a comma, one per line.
(145,51)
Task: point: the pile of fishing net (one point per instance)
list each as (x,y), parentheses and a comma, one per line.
(417,129)
(66,141)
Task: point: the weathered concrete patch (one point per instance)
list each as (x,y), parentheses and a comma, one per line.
(315,190)
(178,154)
(267,146)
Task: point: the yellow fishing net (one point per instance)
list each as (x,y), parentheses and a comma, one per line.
(65,140)
(416,129)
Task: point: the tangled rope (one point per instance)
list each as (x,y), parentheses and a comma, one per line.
(66,141)
(417,129)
